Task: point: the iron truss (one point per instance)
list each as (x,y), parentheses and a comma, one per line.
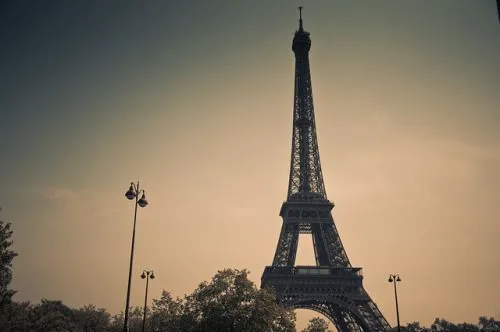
(306,178)
(331,287)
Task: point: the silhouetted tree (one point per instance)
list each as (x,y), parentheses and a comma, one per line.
(170,314)
(53,316)
(415,327)
(116,323)
(230,302)
(489,324)
(134,321)
(6,257)
(317,324)
(90,319)
(442,325)
(17,317)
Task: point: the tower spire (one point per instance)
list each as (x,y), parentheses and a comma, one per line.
(301,28)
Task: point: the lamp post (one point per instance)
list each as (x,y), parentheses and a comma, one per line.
(146,275)
(133,192)
(395,279)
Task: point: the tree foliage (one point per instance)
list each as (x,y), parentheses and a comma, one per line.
(229,302)
(415,327)
(89,318)
(6,257)
(489,324)
(485,325)
(53,316)
(442,325)
(17,317)
(317,324)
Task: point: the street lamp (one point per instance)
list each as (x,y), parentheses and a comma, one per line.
(133,192)
(395,279)
(146,275)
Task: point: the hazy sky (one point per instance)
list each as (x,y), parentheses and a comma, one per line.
(194,99)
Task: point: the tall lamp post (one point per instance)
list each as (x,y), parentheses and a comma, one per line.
(395,279)
(133,192)
(146,275)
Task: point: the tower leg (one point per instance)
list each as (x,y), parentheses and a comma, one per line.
(286,250)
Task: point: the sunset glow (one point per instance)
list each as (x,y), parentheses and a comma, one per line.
(195,100)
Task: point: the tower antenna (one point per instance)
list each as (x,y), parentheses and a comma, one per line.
(300,18)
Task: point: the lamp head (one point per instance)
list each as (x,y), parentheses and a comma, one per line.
(143,275)
(398,278)
(152,276)
(143,201)
(130,194)
(390,279)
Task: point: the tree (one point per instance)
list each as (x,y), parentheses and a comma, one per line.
(170,314)
(116,322)
(6,257)
(230,302)
(489,324)
(90,319)
(17,317)
(415,327)
(134,321)
(53,316)
(446,326)
(317,324)
(442,325)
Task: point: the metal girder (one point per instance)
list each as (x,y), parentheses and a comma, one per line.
(306,178)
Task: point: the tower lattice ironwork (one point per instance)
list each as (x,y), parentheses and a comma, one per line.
(332,287)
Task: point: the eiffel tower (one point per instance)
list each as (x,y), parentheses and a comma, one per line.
(332,287)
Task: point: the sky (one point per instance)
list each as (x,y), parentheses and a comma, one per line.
(194,99)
